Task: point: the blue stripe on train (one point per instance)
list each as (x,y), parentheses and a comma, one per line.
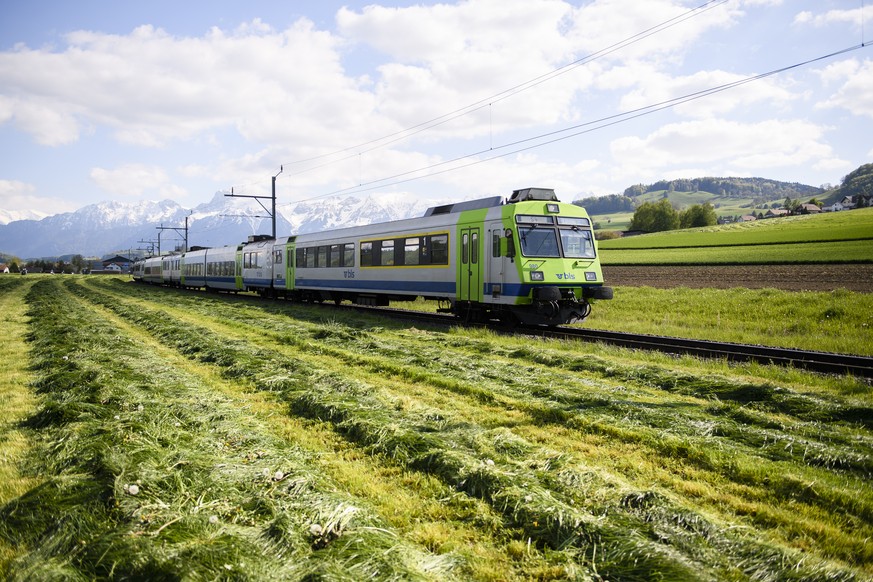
(442,287)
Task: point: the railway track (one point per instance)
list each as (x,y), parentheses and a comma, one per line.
(822,362)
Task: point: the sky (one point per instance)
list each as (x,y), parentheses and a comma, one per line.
(133,101)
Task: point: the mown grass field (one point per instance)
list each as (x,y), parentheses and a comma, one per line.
(160,434)
(823,238)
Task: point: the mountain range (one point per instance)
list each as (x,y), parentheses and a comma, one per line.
(110,227)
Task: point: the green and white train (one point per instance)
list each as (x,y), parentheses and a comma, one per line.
(530,259)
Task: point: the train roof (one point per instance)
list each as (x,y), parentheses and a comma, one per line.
(477,204)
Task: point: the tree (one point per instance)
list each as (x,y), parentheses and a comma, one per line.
(78,262)
(858,182)
(698,215)
(655,217)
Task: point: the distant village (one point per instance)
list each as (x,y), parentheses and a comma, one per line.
(847,203)
(113,266)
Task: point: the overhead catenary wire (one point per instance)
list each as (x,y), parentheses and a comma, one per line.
(403,134)
(556,136)
(378,143)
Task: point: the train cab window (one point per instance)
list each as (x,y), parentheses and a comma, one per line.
(577,243)
(538,241)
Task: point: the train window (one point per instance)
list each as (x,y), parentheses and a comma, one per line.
(387,253)
(277,257)
(349,255)
(301,257)
(577,243)
(439,252)
(251,260)
(411,250)
(572,221)
(465,246)
(495,244)
(531,219)
(321,261)
(474,251)
(366,254)
(335,256)
(538,242)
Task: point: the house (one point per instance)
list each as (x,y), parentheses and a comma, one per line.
(776,213)
(747,218)
(835,207)
(809,209)
(116,263)
(859,201)
(4,268)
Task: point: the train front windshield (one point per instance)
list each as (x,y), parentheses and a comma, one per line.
(539,238)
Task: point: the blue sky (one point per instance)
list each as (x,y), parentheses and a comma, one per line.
(130,101)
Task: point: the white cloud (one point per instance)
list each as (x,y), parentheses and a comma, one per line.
(741,147)
(853,16)
(151,88)
(133,180)
(856,92)
(655,87)
(21,197)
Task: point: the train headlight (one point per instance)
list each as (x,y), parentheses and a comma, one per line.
(590,276)
(537,276)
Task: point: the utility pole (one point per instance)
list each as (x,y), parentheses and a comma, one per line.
(183,232)
(151,244)
(259,198)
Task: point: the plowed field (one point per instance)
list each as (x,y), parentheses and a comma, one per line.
(787,277)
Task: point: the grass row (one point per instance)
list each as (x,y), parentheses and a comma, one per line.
(17,401)
(151,473)
(583,498)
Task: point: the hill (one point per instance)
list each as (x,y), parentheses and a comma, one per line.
(731,197)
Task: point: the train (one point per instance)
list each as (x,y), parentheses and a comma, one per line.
(529,259)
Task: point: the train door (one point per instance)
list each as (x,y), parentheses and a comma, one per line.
(470,265)
(496,273)
(237,271)
(291,258)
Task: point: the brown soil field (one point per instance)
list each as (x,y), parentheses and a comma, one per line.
(786,277)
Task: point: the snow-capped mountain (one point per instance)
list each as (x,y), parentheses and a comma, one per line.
(7,216)
(108,227)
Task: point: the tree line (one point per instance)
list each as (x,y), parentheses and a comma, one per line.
(729,187)
(660,215)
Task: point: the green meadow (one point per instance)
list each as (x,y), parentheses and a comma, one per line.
(821,238)
(161,434)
